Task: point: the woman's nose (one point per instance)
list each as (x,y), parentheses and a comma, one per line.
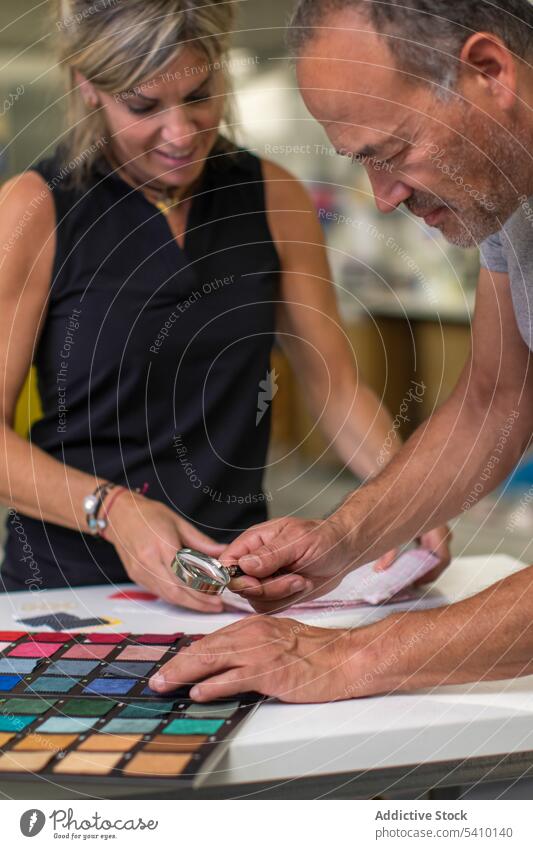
(178,127)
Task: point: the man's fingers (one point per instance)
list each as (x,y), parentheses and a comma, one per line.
(385,562)
(245,582)
(247,544)
(432,576)
(191,665)
(438,542)
(278,605)
(279,587)
(230,683)
(249,541)
(269,558)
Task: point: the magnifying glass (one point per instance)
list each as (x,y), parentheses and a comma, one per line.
(203,573)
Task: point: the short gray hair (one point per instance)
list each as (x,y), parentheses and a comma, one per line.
(425,36)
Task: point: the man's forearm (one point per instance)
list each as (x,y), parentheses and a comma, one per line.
(462,453)
(486,637)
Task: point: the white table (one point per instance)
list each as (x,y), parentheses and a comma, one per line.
(451,735)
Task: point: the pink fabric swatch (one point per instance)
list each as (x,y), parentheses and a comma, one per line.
(142,653)
(86,651)
(31,649)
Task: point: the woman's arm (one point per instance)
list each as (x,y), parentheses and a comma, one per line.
(144,532)
(311,332)
(31,481)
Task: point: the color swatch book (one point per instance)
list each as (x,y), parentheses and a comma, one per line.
(79,706)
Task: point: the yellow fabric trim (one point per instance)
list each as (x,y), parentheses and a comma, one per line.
(29,408)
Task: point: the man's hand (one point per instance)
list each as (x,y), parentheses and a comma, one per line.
(436,541)
(312,557)
(488,637)
(276,657)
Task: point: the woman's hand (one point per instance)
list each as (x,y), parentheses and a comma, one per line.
(277,657)
(146,535)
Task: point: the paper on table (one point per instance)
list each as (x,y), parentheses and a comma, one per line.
(364,585)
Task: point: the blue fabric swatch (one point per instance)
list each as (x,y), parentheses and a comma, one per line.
(130,726)
(67,724)
(145,710)
(51,685)
(15,723)
(71,667)
(110,686)
(8,682)
(18,665)
(130,670)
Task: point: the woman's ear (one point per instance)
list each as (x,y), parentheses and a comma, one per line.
(86,89)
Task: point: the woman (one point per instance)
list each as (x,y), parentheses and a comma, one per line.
(153,268)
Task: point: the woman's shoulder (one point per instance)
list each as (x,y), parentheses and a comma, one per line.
(282,187)
(27,236)
(26,204)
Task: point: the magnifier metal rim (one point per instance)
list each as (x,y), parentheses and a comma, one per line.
(200,572)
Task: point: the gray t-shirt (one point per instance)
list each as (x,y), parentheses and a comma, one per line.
(511,251)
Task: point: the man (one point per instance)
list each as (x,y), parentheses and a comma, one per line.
(434,99)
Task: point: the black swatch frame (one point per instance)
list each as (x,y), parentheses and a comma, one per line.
(201,761)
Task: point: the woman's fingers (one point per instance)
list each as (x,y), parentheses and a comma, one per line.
(159,579)
(195,600)
(191,537)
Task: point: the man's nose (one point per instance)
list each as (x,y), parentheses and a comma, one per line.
(389,192)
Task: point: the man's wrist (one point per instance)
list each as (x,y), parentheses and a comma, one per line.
(346,528)
(388,656)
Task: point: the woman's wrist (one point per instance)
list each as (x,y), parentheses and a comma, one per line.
(119,508)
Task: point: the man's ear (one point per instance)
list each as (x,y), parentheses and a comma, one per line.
(493,65)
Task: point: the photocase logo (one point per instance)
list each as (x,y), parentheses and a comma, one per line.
(268,389)
(32,822)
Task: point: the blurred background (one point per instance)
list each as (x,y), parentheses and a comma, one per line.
(406,296)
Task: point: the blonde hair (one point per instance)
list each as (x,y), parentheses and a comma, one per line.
(118,44)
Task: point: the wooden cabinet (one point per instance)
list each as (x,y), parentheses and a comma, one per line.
(390,353)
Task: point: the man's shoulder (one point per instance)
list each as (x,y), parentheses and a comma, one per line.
(515,239)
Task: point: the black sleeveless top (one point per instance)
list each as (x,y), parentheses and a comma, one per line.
(151,358)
